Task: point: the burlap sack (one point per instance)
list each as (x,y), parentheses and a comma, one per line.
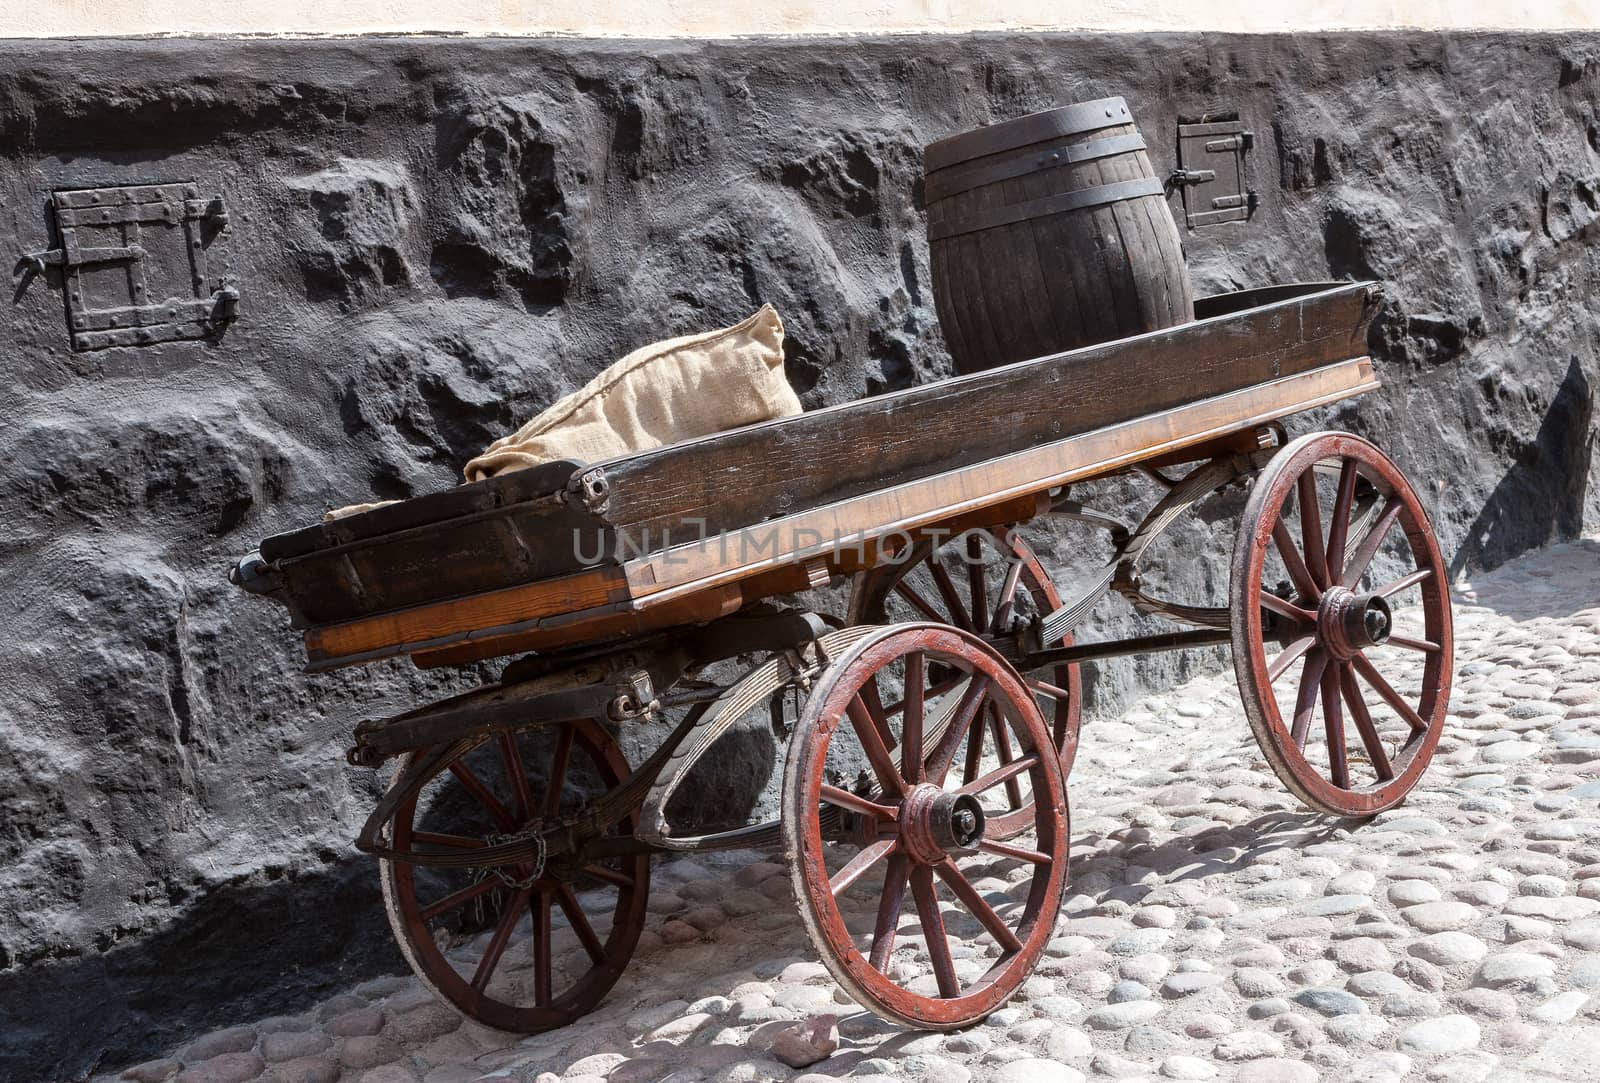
(660,394)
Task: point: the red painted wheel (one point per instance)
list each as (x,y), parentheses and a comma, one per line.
(863,825)
(516,947)
(980,582)
(1337,578)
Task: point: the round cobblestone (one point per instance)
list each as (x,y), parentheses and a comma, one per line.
(1214,928)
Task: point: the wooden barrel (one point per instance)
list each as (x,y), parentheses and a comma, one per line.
(1050,232)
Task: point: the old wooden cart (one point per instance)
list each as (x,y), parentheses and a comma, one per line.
(931,726)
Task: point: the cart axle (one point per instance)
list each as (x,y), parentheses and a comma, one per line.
(1028,661)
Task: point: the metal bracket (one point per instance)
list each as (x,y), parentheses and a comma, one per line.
(1181,178)
(590,490)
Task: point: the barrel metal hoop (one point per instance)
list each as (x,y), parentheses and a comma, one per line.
(1048,205)
(1033,128)
(957,179)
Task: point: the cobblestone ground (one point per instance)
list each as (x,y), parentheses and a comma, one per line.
(1214,929)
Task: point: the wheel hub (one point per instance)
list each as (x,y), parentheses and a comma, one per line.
(935,823)
(1348,623)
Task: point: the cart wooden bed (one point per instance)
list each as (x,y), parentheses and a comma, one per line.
(932,721)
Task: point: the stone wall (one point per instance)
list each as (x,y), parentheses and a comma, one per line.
(434,239)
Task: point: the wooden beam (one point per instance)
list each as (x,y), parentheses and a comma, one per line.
(593,589)
(697,608)
(850,525)
(747,476)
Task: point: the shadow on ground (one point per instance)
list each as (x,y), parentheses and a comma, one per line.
(66,1020)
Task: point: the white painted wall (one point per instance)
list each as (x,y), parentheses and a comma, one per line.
(731,18)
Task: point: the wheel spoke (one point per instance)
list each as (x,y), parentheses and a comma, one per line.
(874,704)
(1357,567)
(944,968)
(541,949)
(1020,853)
(517,776)
(1000,774)
(1423,645)
(1288,656)
(947,591)
(935,690)
(866,806)
(857,866)
(918,602)
(1333,723)
(977,588)
(580,923)
(869,731)
(1002,749)
(558,771)
(1371,675)
(1363,720)
(1044,688)
(1405,582)
(872,700)
(1008,593)
(1339,529)
(975,739)
(911,766)
(944,753)
(976,906)
(1311,529)
(1299,574)
(889,904)
(609,875)
(474,785)
(497,944)
(1306,702)
(459,898)
(1285,608)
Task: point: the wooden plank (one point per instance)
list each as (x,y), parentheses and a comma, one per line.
(700,606)
(577,628)
(855,522)
(447,505)
(746,476)
(586,590)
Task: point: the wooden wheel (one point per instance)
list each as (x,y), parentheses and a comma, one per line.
(516,947)
(1323,604)
(981,582)
(863,825)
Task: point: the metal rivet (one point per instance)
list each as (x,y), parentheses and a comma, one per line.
(1108,112)
(78,322)
(105,214)
(113,321)
(95,198)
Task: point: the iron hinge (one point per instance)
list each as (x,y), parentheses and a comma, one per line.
(137,265)
(1180,178)
(1213,172)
